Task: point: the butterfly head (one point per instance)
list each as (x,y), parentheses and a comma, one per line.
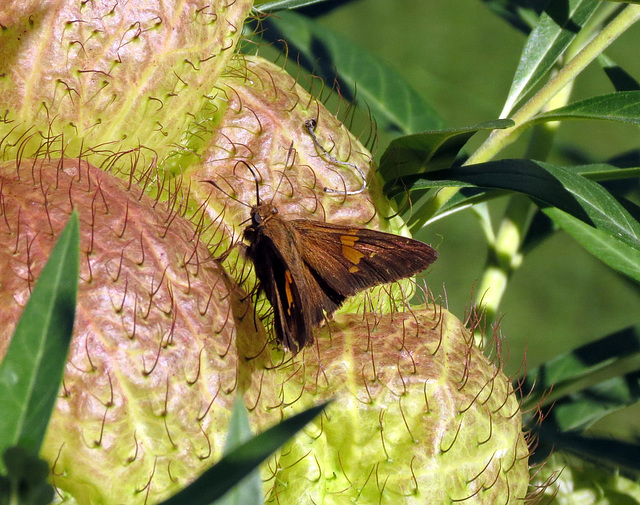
(260,214)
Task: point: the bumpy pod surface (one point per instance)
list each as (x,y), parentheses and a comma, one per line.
(158,353)
(118,75)
(419,415)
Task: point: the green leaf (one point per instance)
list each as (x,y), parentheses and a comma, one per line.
(463,199)
(608,458)
(240,462)
(26,480)
(518,13)
(431,150)
(583,208)
(581,409)
(276,5)
(395,105)
(554,186)
(32,369)
(606,172)
(615,253)
(621,106)
(249,490)
(556,29)
(566,369)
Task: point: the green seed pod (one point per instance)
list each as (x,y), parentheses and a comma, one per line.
(419,415)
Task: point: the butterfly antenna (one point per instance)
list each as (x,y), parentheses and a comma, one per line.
(215,185)
(255,178)
(310,125)
(291,155)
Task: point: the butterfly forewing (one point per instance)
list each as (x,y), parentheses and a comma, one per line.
(355,258)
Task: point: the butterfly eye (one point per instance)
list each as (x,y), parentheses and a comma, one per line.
(256,218)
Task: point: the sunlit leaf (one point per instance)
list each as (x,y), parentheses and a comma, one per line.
(31,372)
(249,490)
(431,150)
(621,106)
(551,185)
(276,5)
(580,206)
(617,254)
(558,26)
(240,462)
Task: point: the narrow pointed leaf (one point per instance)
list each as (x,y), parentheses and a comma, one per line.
(31,372)
(240,462)
(621,106)
(249,490)
(520,13)
(553,186)
(276,5)
(581,409)
(567,368)
(614,252)
(610,456)
(606,172)
(27,475)
(619,77)
(430,150)
(546,43)
(582,207)
(595,172)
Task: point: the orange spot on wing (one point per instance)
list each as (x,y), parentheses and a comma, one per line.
(287,289)
(348,241)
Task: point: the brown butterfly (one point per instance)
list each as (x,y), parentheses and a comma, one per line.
(308,268)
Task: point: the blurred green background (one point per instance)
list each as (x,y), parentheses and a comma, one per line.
(461,58)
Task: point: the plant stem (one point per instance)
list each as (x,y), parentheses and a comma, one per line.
(504,255)
(504,250)
(499,139)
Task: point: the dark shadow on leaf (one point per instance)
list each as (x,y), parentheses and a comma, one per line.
(325,68)
(511,11)
(559,11)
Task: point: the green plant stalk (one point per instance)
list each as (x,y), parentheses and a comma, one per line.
(504,250)
(499,139)
(605,12)
(504,256)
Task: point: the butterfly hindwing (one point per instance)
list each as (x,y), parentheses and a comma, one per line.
(284,279)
